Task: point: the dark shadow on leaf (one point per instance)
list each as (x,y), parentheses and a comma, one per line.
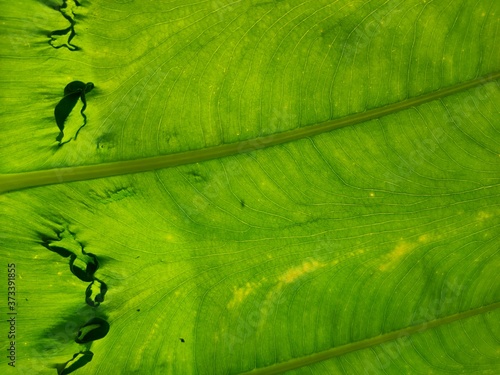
(63,331)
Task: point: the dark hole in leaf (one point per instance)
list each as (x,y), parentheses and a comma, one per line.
(94,329)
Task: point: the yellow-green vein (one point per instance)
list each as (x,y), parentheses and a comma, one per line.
(374,341)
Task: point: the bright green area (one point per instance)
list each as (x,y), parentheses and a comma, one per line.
(270,257)
(23,180)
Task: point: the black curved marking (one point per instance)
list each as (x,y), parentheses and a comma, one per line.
(79,360)
(95,292)
(94,329)
(78,87)
(70,32)
(84,266)
(62,111)
(72,92)
(59,250)
(81,264)
(88,87)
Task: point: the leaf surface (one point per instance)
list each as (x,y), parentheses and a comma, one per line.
(373,248)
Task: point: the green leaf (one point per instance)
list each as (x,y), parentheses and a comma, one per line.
(260,186)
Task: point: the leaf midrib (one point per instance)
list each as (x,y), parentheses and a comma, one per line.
(371,342)
(17,181)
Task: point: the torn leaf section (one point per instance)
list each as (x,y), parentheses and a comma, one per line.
(84,266)
(81,263)
(63,38)
(64,243)
(59,250)
(95,293)
(94,329)
(69,8)
(78,361)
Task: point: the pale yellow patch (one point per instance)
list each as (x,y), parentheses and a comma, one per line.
(294,273)
(481,216)
(154,329)
(272,299)
(239,294)
(424,238)
(372,194)
(401,249)
(169,237)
